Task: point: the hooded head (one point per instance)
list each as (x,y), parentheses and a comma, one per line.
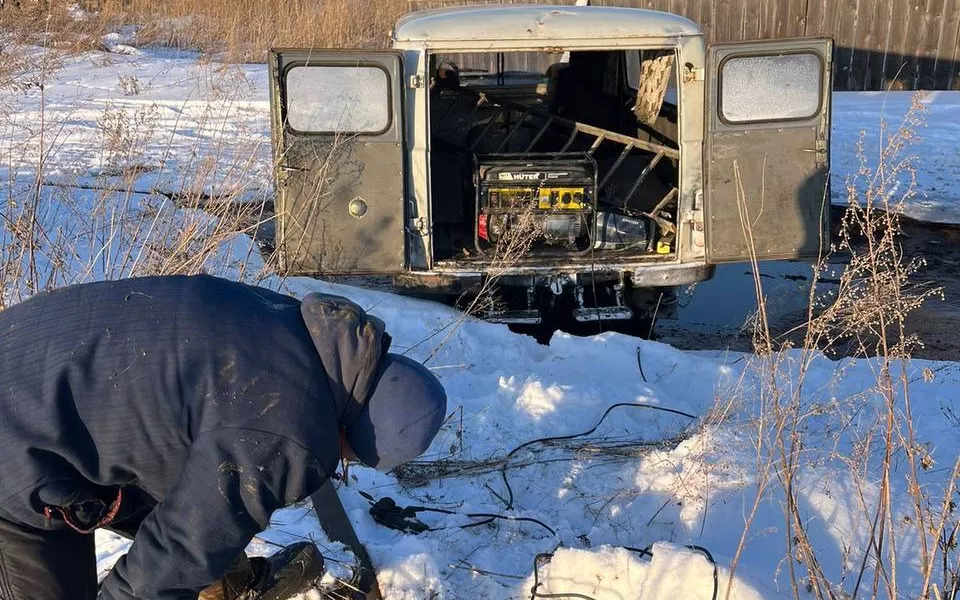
(401,417)
(390,406)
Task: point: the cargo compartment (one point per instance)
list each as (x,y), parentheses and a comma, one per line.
(563,156)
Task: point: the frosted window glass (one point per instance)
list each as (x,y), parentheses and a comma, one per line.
(770,88)
(338,99)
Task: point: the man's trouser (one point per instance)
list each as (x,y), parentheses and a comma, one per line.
(38,564)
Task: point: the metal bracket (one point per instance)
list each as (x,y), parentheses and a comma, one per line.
(692,74)
(821,152)
(823,149)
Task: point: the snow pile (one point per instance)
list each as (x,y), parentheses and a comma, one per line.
(670,572)
(120,44)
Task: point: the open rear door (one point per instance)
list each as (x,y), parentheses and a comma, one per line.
(338,156)
(767,156)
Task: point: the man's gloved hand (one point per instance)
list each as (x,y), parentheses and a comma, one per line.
(293,570)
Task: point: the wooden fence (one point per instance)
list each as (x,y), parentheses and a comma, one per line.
(880,44)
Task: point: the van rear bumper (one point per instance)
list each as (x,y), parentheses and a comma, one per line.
(461,280)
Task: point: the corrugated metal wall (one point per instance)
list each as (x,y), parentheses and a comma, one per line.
(880,44)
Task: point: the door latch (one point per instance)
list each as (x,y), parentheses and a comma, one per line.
(419,227)
(821,152)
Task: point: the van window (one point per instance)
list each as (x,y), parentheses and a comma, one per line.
(770,88)
(338,99)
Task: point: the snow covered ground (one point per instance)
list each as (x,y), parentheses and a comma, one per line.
(707,482)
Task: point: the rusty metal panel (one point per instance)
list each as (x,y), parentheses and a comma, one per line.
(340,194)
(767,179)
(784,205)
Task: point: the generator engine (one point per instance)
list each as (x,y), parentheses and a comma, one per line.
(555,198)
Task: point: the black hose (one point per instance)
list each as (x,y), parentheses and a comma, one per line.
(503,468)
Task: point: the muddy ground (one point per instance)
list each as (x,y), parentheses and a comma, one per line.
(731,299)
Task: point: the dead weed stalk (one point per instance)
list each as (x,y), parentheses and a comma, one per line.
(879,290)
(58,228)
(234,31)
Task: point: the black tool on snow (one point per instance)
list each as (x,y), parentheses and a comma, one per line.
(402,518)
(388,513)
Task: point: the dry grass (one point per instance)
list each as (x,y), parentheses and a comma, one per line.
(238,31)
(878,291)
(108,222)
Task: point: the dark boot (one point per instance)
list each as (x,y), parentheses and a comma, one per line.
(239,581)
(293,570)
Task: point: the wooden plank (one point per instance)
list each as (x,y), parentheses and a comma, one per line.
(907,48)
(940,18)
(771,20)
(795,17)
(895,70)
(707,18)
(925,47)
(693,10)
(750,11)
(954,83)
(689,9)
(726,23)
(816,9)
(762,10)
(884,47)
(848,19)
(867,53)
(947,49)
(677,6)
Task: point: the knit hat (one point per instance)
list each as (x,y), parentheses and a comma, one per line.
(401,417)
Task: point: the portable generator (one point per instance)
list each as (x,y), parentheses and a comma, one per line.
(552,199)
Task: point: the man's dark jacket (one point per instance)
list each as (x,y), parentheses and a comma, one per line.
(212,397)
